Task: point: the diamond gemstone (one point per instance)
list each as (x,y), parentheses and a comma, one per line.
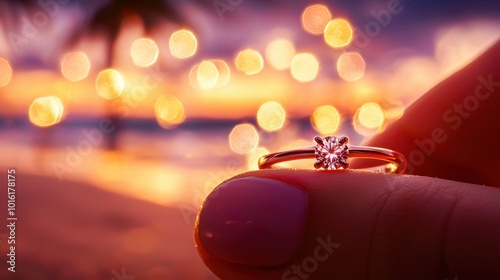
(331,152)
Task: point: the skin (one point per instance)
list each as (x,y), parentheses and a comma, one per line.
(442,221)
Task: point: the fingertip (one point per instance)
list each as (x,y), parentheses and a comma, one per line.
(358,225)
(255,222)
(438,133)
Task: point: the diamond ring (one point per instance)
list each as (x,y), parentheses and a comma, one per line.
(333,153)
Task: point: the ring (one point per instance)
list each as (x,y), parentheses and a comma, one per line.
(333,153)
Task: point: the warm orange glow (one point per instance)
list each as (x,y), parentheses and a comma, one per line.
(391,167)
(371,115)
(207,75)
(369,119)
(193,76)
(253,157)
(351,66)
(279,53)
(244,138)
(249,61)
(326,119)
(271,116)
(315,18)
(338,33)
(459,44)
(395,111)
(183,44)
(139,240)
(109,84)
(292,145)
(144,52)
(413,76)
(5,72)
(304,67)
(169,112)
(224,72)
(75,66)
(46,111)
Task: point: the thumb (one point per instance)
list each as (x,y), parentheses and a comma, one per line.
(296,224)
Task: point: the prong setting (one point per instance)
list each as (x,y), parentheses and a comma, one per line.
(318,140)
(331,152)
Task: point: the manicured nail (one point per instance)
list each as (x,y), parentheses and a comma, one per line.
(254,222)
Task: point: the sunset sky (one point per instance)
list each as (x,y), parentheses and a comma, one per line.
(403,58)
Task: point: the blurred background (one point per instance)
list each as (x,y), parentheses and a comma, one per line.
(120,117)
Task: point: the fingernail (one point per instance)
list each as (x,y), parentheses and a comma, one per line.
(253,222)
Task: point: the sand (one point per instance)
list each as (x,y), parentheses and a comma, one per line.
(70,230)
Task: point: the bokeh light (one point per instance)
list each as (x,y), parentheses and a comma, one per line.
(183,44)
(243,138)
(224,72)
(169,111)
(144,52)
(109,84)
(271,116)
(315,18)
(249,62)
(207,75)
(279,53)
(75,66)
(253,157)
(46,111)
(212,74)
(338,33)
(193,76)
(304,67)
(5,72)
(395,111)
(326,119)
(351,66)
(369,119)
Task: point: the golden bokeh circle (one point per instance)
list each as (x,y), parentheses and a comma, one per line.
(75,66)
(271,116)
(46,111)
(109,84)
(144,52)
(369,119)
(315,18)
(351,66)
(338,33)
(249,62)
(207,75)
(243,138)
(326,119)
(304,67)
(169,111)
(279,54)
(183,44)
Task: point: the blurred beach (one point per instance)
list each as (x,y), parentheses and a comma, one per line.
(119,132)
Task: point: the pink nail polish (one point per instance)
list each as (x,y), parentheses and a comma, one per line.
(253,221)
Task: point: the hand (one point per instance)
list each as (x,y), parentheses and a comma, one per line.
(306,224)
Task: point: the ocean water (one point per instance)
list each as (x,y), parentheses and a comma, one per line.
(139,158)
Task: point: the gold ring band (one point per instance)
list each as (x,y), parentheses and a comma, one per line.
(332,153)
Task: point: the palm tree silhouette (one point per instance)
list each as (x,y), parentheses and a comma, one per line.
(108,20)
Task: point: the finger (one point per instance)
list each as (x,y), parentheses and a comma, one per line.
(289,224)
(451,132)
